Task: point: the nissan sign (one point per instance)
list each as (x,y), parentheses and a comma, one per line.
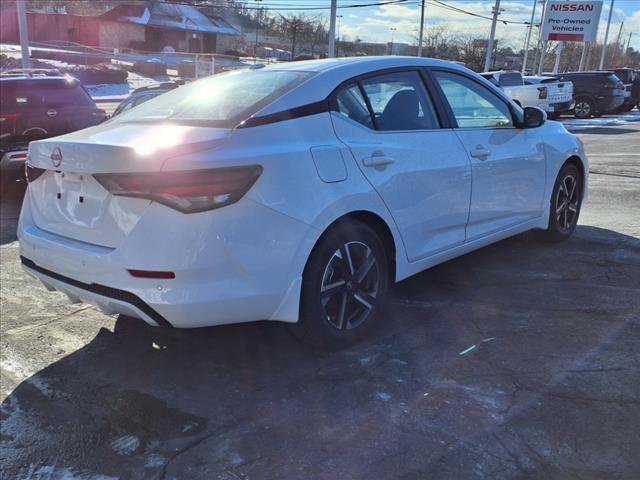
(571,21)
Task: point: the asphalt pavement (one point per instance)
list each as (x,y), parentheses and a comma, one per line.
(517,361)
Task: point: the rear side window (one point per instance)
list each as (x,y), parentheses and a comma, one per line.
(62,96)
(222,100)
(473,105)
(400,102)
(352,104)
(510,80)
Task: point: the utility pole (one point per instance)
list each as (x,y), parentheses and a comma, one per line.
(332,30)
(626,50)
(255,48)
(24,34)
(492,35)
(606,37)
(421,29)
(618,45)
(526,45)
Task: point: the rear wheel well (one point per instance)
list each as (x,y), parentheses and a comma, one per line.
(378,225)
(578,164)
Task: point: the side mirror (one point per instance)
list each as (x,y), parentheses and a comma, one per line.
(534,117)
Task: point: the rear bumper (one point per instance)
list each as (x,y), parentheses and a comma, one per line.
(109,300)
(237,264)
(561,107)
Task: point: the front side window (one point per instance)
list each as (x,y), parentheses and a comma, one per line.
(222,100)
(473,105)
(400,102)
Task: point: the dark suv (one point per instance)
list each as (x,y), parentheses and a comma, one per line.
(594,93)
(629,78)
(39,104)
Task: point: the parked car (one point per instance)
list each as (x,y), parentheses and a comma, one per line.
(12,158)
(628,77)
(595,93)
(141,95)
(37,104)
(298,192)
(554,97)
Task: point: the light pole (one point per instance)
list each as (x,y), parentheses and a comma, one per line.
(526,45)
(255,48)
(338,17)
(393,31)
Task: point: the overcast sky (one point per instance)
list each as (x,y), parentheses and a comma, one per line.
(374,23)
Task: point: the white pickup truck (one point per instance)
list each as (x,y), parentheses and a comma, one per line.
(548,93)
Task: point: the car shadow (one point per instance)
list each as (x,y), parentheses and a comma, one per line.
(10,204)
(139,402)
(595,130)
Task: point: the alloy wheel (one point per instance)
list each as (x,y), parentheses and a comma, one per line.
(582,109)
(350,286)
(567,202)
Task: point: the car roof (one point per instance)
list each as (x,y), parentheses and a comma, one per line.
(328,74)
(374,63)
(41,80)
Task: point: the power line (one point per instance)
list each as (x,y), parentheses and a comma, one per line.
(279,7)
(438,3)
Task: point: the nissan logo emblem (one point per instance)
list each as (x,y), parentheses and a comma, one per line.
(56,157)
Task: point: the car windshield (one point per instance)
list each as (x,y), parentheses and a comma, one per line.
(222,100)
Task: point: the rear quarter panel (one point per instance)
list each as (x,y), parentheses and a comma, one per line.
(560,145)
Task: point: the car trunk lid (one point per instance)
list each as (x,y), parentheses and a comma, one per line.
(68,201)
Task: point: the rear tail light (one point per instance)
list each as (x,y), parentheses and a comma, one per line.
(17,156)
(186,191)
(542,93)
(32,173)
(5,117)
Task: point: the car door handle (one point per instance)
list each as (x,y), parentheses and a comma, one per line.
(480,153)
(377,159)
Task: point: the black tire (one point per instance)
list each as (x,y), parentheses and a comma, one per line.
(339,317)
(563,215)
(553,116)
(583,108)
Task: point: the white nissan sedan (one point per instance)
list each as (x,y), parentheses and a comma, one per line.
(295,192)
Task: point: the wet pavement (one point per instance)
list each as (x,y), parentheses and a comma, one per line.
(518,361)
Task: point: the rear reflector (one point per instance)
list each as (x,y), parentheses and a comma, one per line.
(152,274)
(17,156)
(186,191)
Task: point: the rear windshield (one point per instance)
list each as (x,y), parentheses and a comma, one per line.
(17,95)
(222,100)
(510,80)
